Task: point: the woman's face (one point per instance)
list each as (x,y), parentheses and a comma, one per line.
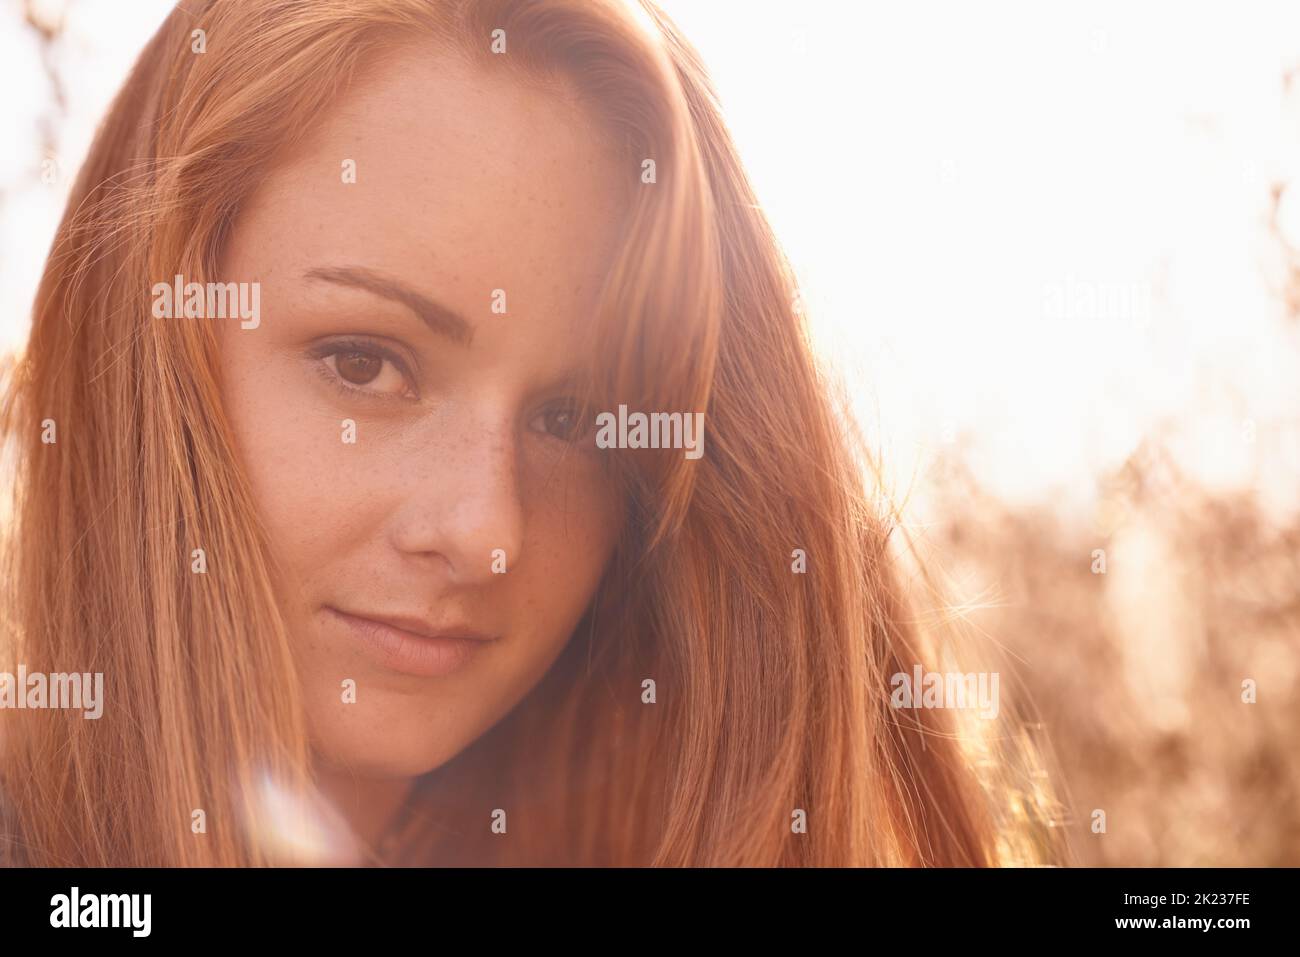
(402,405)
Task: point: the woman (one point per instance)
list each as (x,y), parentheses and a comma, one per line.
(308,467)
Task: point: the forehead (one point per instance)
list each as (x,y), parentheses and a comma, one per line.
(467,180)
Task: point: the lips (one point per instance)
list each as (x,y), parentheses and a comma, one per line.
(410,644)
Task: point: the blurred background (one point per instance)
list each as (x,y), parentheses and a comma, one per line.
(1054,257)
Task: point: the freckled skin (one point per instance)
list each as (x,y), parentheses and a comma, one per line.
(466,182)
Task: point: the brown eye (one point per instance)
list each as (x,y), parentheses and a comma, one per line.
(562,422)
(365,371)
(359,368)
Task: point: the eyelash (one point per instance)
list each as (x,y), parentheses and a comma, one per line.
(366,347)
(577,413)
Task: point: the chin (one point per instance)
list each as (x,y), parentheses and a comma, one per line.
(385,752)
(383,760)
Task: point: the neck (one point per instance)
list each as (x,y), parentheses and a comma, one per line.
(369,805)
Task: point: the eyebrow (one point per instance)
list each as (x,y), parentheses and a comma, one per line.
(436,316)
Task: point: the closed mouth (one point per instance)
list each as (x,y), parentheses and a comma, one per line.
(413,626)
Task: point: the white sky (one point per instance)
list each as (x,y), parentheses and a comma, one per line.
(1036,230)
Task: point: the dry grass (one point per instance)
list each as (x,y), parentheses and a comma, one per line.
(1136,674)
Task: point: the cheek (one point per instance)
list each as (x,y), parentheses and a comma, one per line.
(574,526)
(306,487)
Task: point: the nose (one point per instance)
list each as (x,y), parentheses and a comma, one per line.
(462,503)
